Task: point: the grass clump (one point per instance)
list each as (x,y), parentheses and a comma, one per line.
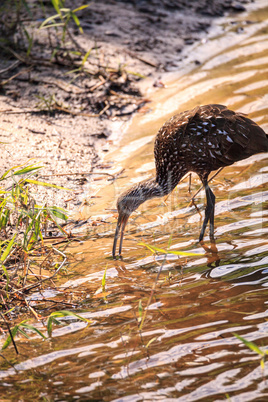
(24,254)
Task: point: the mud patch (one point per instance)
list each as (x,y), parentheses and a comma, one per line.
(60,108)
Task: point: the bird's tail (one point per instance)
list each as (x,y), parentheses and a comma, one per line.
(259,142)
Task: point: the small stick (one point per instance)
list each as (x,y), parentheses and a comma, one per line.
(2,83)
(13,65)
(150,63)
(28,287)
(79,173)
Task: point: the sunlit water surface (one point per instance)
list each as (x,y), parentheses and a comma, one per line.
(186,349)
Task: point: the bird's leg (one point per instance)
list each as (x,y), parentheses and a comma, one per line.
(209,211)
(190,182)
(211,219)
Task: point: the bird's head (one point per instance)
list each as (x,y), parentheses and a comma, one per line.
(128,202)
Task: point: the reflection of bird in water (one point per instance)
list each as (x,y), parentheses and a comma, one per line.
(199,140)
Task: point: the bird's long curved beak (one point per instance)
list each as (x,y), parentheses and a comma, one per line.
(121,223)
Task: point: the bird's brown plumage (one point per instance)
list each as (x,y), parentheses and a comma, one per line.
(199,140)
(205,139)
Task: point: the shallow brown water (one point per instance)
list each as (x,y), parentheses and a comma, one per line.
(186,350)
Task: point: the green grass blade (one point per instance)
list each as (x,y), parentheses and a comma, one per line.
(76,20)
(34,329)
(56,5)
(250,345)
(65,313)
(41,183)
(49,326)
(8,248)
(58,212)
(103,282)
(44,23)
(150,341)
(23,333)
(160,250)
(7,276)
(9,339)
(27,169)
(140,310)
(81,8)
(86,57)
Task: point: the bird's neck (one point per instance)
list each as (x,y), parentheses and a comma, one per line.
(151,188)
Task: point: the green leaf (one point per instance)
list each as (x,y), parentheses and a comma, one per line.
(7,276)
(250,345)
(9,340)
(8,248)
(65,10)
(49,326)
(56,5)
(62,313)
(9,170)
(103,282)
(140,310)
(54,25)
(160,250)
(86,56)
(34,329)
(58,212)
(65,313)
(81,8)
(23,333)
(27,169)
(41,183)
(150,341)
(50,321)
(76,20)
(44,23)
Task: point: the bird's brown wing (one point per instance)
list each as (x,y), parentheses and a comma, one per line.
(204,139)
(229,136)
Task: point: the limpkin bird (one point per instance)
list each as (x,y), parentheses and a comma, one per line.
(199,140)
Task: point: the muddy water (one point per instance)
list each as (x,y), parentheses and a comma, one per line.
(186,349)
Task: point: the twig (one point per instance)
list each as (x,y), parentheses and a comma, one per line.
(82,173)
(62,109)
(13,65)
(74,41)
(12,365)
(31,309)
(28,287)
(150,63)
(27,269)
(102,82)
(2,83)
(60,84)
